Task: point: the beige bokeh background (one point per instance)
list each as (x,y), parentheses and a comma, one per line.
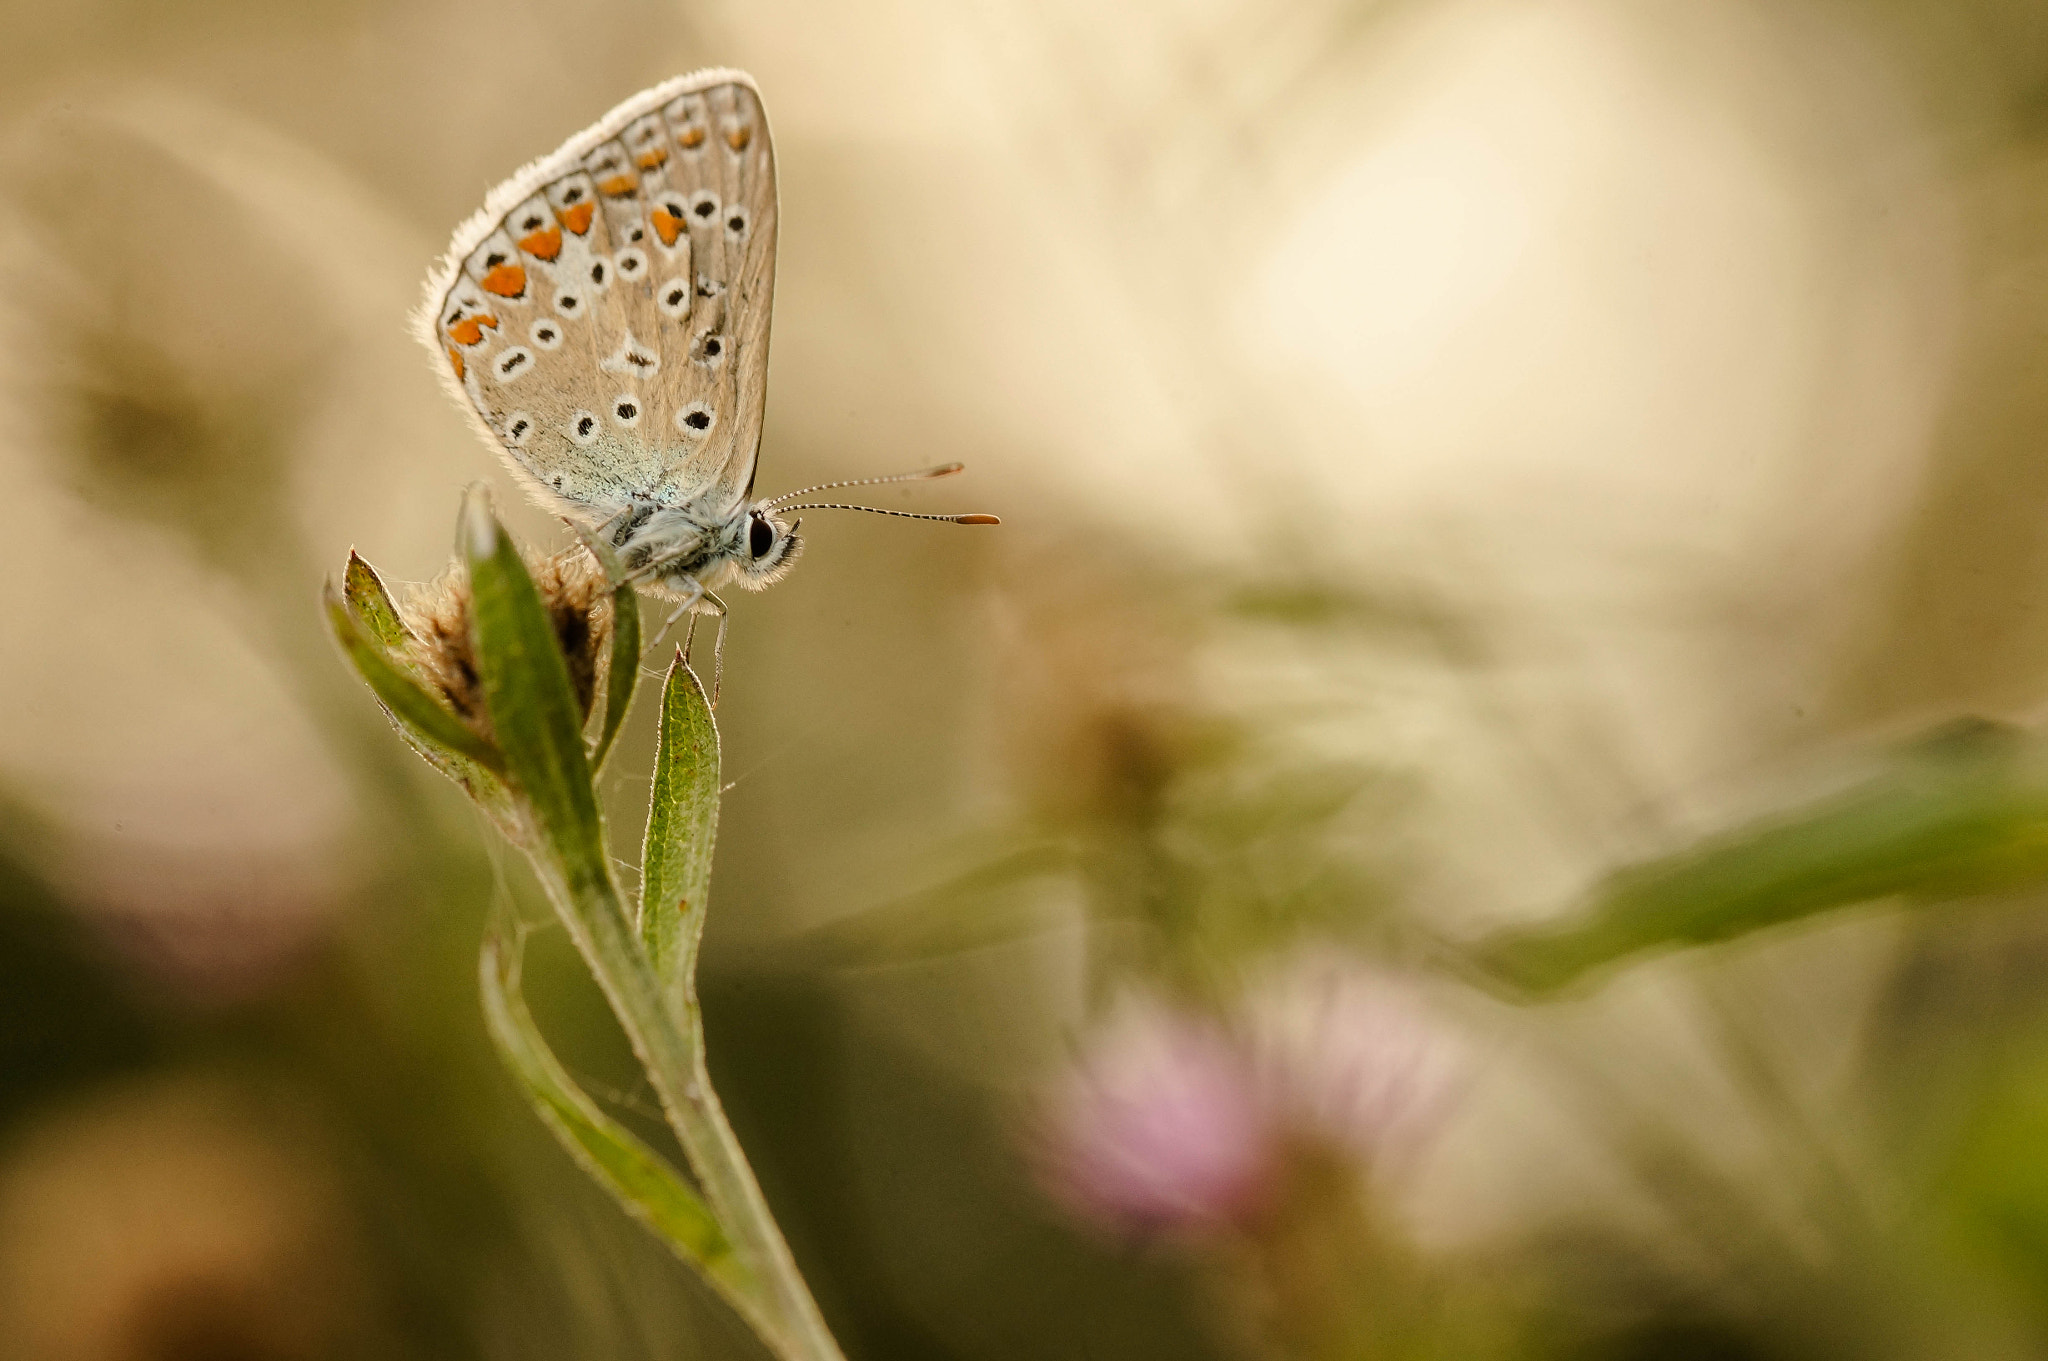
(1679,363)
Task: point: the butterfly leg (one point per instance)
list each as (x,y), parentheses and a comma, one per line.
(653,565)
(698,601)
(717,647)
(717,607)
(697,594)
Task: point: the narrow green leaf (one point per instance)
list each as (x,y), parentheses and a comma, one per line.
(600,548)
(422,717)
(640,1179)
(1963,814)
(682,825)
(623,675)
(365,593)
(533,705)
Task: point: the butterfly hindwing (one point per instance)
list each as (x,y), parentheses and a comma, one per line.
(605,317)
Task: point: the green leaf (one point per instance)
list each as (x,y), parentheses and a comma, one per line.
(623,672)
(600,548)
(533,705)
(682,825)
(424,719)
(1964,813)
(640,1179)
(365,593)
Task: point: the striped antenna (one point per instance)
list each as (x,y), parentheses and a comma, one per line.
(922,475)
(905,514)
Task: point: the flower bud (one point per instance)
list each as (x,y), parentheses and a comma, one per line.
(443,645)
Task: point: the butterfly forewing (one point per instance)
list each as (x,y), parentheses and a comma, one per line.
(606,315)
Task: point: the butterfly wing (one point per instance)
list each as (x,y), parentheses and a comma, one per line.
(605,316)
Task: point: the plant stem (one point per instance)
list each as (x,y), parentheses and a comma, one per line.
(668,1039)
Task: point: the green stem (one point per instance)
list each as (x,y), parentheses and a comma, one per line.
(668,1038)
(539,727)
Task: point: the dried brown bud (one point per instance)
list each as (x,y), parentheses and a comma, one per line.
(578,602)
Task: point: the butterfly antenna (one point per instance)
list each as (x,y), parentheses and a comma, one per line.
(921,475)
(904,514)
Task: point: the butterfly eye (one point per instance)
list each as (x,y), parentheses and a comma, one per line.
(546,334)
(736,224)
(694,419)
(760,538)
(630,263)
(704,204)
(674,298)
(583,428)
(569,304)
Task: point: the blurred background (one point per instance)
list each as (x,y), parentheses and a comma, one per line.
(1447,448)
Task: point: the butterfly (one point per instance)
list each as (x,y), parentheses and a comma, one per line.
(604,320)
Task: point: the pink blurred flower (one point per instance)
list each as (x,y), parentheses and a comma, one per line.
(1158,1126)
(1349,1055)
(1170,1120)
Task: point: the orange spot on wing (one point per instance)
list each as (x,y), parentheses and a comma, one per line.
(652,157)
(455,358)
(577,219)
(691,138)
(738,138)
(544,244)
(507,281)
(470,330)
(619,186)
(667,225)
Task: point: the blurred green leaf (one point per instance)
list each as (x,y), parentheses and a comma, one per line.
(533,706)
(365,593)
(641,1179)
(1311,603)
(682,826)
(970,911)
(1964,812)
(423,719)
